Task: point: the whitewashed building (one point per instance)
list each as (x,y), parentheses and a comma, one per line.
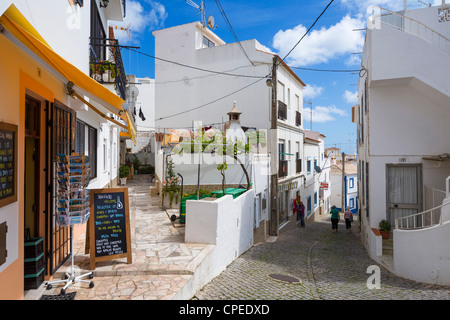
(316,193)
(141,96)
(403,146)
(224,74)
(350,188)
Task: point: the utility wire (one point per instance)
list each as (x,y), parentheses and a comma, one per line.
(196,68)
(307,31)
(211,102)
(323,70)
(224,15)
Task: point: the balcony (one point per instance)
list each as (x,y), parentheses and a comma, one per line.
(106,64)
(283,169)
(282,110)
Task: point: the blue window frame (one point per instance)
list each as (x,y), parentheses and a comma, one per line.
(315,199)
(351,183)
(351,203)
(308,165)
(308,205)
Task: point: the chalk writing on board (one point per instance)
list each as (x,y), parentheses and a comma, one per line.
(7,162)
(109,224)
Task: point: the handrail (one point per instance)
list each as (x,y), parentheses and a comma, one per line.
(403,28)
(397,220)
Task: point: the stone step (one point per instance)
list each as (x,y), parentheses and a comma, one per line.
(388,246)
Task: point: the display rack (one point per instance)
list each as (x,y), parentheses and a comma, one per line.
(72,205)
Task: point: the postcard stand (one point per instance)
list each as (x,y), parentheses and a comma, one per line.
(72,205)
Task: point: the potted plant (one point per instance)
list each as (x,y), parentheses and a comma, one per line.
(97,69)
(124,171)
(110,71)
(384,227)
(171,188)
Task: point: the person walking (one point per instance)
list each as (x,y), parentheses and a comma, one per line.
(301,214)
(334,219)
(348,216)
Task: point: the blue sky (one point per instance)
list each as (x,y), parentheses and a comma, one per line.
(333,44)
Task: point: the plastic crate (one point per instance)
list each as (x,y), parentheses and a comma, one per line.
(33,281)
(34,247)
(33,265)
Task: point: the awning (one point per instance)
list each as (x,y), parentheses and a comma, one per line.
(131,130)
(83,84)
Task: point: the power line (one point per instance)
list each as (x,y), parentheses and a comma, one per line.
(224,15)
(196,68)
(323,70)
(317,19)
(211,102)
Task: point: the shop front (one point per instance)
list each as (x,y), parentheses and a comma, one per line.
(38,113)
(287,192)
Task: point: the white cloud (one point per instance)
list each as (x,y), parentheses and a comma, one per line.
(312,91)
(322,114)
(351,97)
(140,20)
(361,6)
(320,46)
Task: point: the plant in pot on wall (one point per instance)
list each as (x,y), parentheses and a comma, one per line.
(384,227)
(124,171)
(171,187)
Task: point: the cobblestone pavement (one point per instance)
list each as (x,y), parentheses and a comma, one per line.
(330,266)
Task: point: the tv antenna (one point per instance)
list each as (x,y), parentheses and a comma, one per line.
(200,7)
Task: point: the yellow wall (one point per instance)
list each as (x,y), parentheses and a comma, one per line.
(20,74)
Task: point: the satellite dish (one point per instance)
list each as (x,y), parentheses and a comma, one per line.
(318,169)
(211,23)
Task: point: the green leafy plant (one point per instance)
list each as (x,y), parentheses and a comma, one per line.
(171,185)
(124,171)
(222,167)
(384,225)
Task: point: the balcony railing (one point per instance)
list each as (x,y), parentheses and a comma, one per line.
(283,169)
(110,70)
(282,110)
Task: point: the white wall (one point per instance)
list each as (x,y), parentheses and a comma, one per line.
(195,88)
(431,245)
(226,223)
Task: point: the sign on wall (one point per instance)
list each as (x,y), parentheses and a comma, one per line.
(8,163)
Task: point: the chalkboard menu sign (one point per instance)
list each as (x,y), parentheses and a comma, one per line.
(8,163)
(109,225)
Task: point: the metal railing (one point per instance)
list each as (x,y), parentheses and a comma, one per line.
(421,220)
(109,70)
(427,218)
(412,26)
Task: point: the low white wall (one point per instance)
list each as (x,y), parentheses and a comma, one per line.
(226,223)
(376,245)
(423,255)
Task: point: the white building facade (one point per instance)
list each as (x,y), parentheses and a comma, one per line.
(184,95)
(402,119)
(316,194)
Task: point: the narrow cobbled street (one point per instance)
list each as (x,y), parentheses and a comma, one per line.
(312,263)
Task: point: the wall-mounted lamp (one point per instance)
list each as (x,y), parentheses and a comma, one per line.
(269,82)
(104,3)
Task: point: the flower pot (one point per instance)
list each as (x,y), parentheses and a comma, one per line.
(384,234)
(123,181)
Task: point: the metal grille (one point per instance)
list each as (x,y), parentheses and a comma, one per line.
(61,125)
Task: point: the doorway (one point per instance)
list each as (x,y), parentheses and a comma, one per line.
(32,176)
(404,191)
